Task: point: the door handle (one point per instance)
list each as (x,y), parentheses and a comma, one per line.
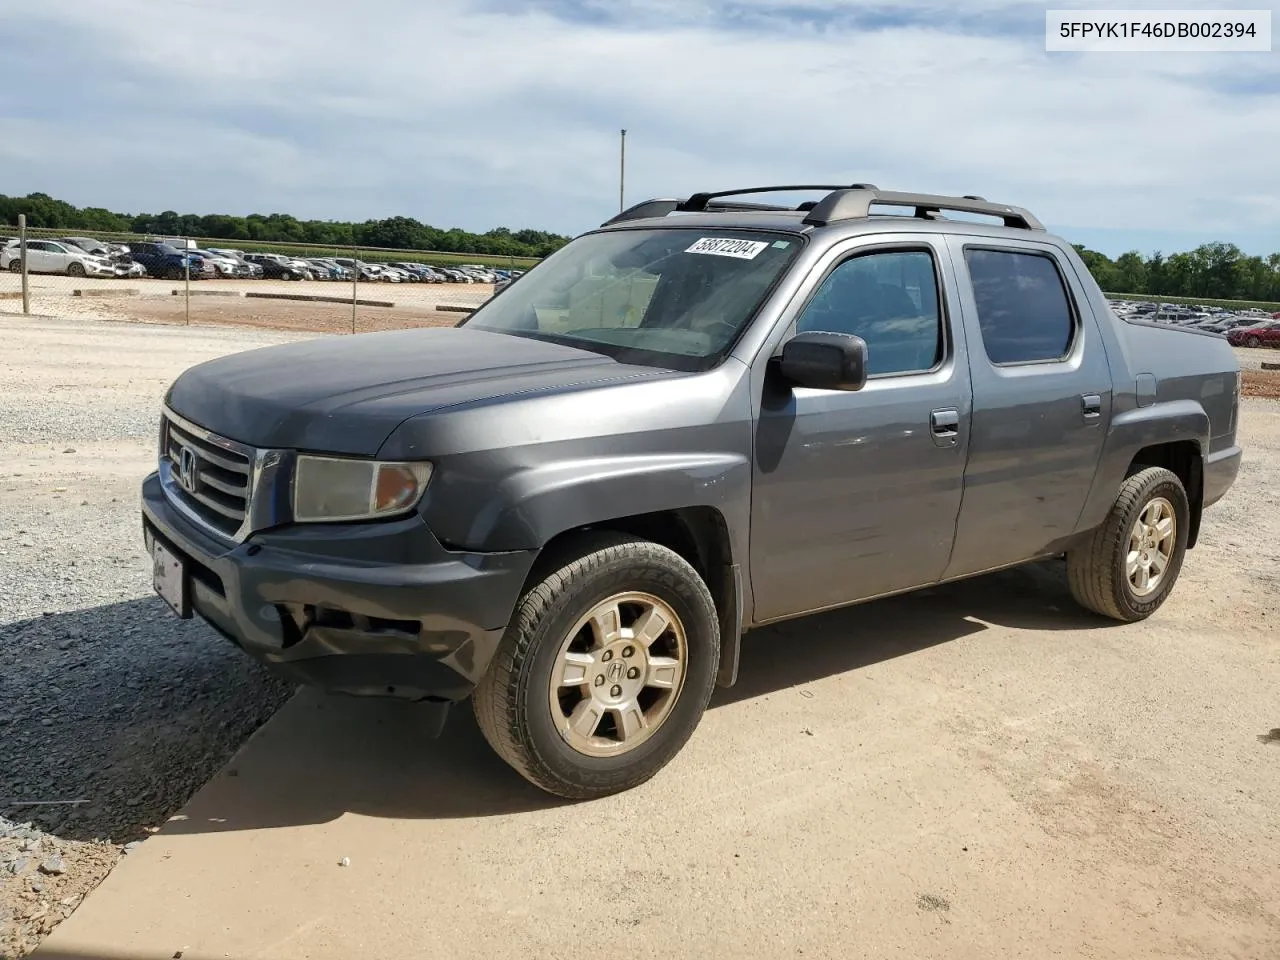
(945,426)
(1091,406)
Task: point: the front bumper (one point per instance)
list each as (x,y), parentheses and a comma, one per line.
(369,609)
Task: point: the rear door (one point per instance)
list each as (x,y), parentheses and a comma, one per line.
(1041,399)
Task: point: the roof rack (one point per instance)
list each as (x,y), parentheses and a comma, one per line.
(851,202)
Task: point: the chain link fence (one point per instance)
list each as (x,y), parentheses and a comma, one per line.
(201,280)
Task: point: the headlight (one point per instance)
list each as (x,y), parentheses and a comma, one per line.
(333,488)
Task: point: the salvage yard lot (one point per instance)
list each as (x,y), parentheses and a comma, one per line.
(987,773)
(221,301)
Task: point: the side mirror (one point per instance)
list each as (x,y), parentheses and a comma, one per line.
(825,361)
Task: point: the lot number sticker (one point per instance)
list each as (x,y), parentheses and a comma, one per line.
(723,247)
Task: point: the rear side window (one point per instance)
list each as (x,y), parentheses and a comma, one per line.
(889,299)
(1023,307)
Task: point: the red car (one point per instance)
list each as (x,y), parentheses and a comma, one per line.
(1266,334)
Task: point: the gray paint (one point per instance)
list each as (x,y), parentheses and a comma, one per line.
(828,497)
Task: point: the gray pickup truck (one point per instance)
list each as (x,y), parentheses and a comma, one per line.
(705,416)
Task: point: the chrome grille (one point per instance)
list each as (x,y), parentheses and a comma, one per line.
(210,476)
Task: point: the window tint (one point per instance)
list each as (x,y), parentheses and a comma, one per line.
(1022,306)
(888,299)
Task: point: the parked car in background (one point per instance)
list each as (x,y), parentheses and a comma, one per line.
(1265,334)
(369,272)
(418,273)
(223,266)
(329,269)
(1229,323)
(168,262)
(301,263)
(276,267)
(51,256)
(477,273)
(254,269)
(117,252)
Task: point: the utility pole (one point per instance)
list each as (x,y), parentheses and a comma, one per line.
(622,173)
(22,256)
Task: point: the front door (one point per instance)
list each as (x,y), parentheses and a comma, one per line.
(855,494)
(1041,399)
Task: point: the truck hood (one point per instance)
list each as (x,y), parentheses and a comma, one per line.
(345,395)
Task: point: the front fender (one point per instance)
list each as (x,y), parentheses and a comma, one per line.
(528,507)
(1170,421)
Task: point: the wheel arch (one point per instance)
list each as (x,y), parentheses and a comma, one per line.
(1174,434)
(698,534)
(1184,459)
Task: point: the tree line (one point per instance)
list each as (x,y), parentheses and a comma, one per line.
(1217,271)
(1212,271)
(403,233)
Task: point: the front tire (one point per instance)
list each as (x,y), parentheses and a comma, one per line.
(604,671)
(1253,342)
(1128,567)
(75,269)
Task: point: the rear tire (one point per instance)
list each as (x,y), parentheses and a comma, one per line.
(1253,342)
(620,643)
(15,265)
(1128,566)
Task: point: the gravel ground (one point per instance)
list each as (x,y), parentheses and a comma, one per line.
(1259,382)
(114,710)
(155,299)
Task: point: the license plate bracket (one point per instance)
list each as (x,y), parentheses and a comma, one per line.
(169,577)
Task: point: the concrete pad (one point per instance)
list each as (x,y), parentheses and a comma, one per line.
(975,771)
(312,298)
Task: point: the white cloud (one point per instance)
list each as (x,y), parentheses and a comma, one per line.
(456,113)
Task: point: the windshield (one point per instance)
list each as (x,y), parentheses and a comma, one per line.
(674,297)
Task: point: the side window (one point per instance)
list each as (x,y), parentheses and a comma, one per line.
(890,300)
(1023,306)
(39,246)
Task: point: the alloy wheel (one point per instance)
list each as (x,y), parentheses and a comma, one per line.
(1152,541)
(618,674)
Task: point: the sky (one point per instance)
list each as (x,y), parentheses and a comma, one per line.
(487,113)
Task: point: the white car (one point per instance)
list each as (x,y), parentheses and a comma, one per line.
(48,256)
(224,265)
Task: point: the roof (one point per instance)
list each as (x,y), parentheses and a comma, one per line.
(849,207)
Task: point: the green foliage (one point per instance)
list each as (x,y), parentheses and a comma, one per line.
(1211,272)
(400,233)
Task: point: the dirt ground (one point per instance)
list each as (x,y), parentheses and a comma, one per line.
(979,770)
(1261,383)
